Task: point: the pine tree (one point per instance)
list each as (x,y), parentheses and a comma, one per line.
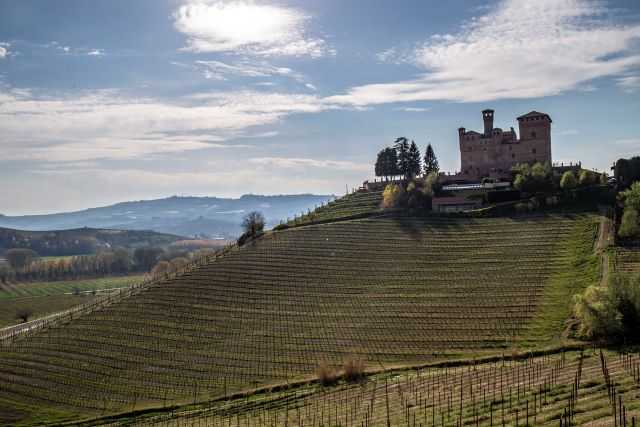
(430,161)
(402,151)
(414,163)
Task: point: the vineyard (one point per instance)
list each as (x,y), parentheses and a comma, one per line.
(358,203)
(392,291)
(587,387)
(627,260)
(50,297)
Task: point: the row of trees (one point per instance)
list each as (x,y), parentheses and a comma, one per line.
(24,265)
(540,178)
(404,159)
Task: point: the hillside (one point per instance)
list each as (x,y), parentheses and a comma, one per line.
(359,203)
(80,241)
(184,216)
(391,290)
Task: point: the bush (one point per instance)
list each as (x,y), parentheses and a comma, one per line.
(253,225)
(610,313)
(629,224)
(568,181)
(353,368)
(392,196)
(586,177)
(24,314)
(326,373)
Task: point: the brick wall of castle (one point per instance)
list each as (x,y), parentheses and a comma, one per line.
(494,152)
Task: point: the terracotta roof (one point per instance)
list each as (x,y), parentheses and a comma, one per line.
(535,114)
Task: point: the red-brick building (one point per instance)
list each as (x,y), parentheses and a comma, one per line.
(494,152)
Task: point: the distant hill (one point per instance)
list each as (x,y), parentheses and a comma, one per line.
(80,241)
(209,217)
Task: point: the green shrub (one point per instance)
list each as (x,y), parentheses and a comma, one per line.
(629,223)
(568,181)
(610,313)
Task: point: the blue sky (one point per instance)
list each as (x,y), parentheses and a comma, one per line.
(111,100)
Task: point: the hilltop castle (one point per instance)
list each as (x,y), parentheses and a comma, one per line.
(494,152)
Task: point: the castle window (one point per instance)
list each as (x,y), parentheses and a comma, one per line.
(513,156)
(533,151)
(533,134)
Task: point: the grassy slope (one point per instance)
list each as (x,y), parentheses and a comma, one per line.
(45,298)
(352,204)
(391,290)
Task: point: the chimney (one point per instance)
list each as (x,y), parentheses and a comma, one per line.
(487,117)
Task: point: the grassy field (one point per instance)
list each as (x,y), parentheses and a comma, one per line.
(45,298)
(393,291)
(579,386)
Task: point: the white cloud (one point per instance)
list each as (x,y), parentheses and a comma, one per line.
(311,87)
(241,26)
(107,125)
(629,84)
(520,49)
(218,70)
(95,52)
(303,163)
(413,109)
(3,50)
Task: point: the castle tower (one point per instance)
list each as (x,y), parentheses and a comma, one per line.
(535,136)
(487,116)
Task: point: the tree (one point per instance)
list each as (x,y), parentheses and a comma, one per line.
(20,258)
(402,151)
(611,312)
(392,195)
(568,181)
(629,223)
(253,223)
(380,163)
(631,197)
(24,314)
(519,182)
(586,177)
(390,165)
(414,165)
(430,161)
(145,258)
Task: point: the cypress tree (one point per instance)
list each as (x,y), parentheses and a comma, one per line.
(430,161)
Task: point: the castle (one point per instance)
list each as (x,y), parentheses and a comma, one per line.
(494,152)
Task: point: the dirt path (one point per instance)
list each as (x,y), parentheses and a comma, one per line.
(601,245)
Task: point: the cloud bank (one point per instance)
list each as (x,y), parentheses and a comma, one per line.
(107,125)
(520,49)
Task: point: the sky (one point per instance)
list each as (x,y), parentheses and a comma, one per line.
(105,101)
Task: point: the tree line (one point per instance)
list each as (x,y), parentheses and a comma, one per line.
(404,159)
(24,265)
